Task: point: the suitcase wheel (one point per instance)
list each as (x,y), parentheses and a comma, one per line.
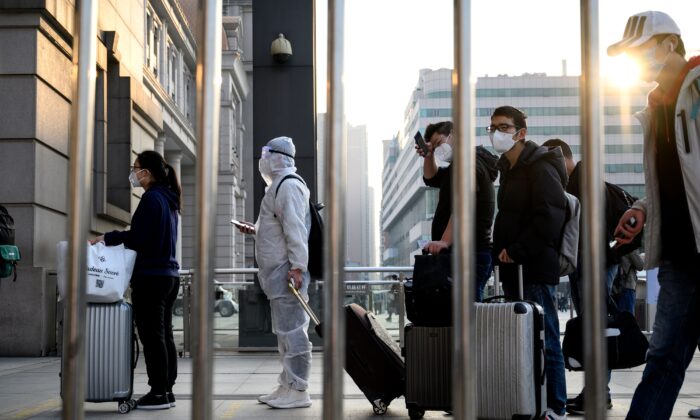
(415,413)
(125,407)
(379,408)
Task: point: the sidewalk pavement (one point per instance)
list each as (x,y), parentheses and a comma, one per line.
(29,389)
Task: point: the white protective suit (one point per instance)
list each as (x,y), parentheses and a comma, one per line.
(281,244)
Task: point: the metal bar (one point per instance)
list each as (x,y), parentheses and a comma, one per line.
(463,185)
(402,308)
(208,74)
(84,73)
(388,269)
(593,216)
(334,258)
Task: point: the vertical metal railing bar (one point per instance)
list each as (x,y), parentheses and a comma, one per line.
(334,258)
(84,74)
(464,187)
(593,215)
(208,75)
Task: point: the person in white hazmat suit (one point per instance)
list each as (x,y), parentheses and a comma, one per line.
(281,251)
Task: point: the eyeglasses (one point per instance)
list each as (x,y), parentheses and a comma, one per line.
(503,128)
(133,168)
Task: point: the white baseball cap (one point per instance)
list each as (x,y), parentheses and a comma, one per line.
(642,27)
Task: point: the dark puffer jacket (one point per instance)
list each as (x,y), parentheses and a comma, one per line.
(531,214)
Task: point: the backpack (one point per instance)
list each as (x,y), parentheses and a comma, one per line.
(315,264)
(9,253)
(568,245)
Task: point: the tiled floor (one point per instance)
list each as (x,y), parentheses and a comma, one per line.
(29,388)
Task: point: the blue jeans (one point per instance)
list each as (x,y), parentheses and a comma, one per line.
(543,294)
(625,300)
(483,272)
(673,343)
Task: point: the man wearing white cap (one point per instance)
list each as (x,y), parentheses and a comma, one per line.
(671,210)
(282,253)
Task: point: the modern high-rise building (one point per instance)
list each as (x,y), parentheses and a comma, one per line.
(552,106)
(360,234)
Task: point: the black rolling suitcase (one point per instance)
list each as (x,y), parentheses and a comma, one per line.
(372,358)
(428,353)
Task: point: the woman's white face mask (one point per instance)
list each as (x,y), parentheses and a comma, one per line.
(134,178)
(502,142)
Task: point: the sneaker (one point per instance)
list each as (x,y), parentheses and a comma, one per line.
(153,401)
(171,398)
(694,413)
(576,405)
(291,398)
(549,414)
(264,399)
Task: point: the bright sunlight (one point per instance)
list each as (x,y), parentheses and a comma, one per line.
(621,71)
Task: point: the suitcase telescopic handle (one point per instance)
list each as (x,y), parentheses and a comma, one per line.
(497,281)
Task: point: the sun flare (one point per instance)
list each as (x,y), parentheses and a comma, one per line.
(621,71)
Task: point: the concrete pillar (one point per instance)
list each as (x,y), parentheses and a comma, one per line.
(159,145)
(175,160)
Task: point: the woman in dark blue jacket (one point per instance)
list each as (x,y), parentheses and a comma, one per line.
(155,281)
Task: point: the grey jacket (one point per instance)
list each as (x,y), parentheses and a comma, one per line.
(687,129)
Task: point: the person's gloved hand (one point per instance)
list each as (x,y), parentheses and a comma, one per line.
(295,276)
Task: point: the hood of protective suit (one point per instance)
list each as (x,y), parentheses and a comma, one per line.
(280,159)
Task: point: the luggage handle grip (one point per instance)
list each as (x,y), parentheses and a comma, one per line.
(497,281)
(303,303)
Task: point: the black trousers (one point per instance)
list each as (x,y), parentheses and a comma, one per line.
(153,298)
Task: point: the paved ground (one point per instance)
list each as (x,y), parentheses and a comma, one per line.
(29,388)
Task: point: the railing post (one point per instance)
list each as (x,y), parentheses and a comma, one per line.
(208,75)
(463,185)
(593,216)
(402,307)
(334,258)
(84,73)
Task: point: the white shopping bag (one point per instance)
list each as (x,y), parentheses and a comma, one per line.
(109,271)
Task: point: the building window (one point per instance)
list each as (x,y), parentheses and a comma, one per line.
(172,73)
(153,34)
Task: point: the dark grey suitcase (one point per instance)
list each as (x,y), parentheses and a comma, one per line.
(428,352)
(509,356)
(111,354)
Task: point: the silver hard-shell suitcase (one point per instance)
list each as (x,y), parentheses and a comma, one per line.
(510,359)
(110,353)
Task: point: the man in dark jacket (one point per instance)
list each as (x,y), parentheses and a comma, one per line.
(527,233)
(440,146)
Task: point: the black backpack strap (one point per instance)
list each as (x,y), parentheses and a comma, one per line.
(286,178)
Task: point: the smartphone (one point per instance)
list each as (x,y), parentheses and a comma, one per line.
(631,223)
(238,224)
(421,143)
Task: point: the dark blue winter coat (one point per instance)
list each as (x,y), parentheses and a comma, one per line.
(153,233)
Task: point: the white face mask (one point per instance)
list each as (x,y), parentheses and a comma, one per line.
(134,179)
(651,68)
(443,152)
(502,142)
(265,170)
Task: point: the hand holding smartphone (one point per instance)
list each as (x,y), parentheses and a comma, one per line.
(631,223)
(421,143)
(244,227)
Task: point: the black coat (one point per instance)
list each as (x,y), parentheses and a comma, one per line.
(486,173)
(531,214)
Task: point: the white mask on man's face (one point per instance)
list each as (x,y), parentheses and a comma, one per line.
(651,68)
(443,152)
(502,142)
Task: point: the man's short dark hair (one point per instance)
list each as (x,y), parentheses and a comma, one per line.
(680,48)
(443,127)
(565,149)
(515,114)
